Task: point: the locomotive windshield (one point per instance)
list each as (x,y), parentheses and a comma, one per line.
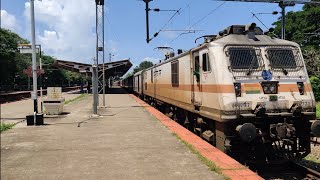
(282,58)
(243,58)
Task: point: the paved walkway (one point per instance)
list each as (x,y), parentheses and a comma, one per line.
(14,112)
(125,143)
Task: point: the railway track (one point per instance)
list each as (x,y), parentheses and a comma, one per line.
(286,170)
(315,141)
(309,173)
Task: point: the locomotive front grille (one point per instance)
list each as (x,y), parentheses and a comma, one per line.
(245,62)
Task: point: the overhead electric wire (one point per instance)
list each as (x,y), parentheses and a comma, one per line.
(111,29)
(178,12)
(112,32)
(188,5)
(254,15)
(174,18)
(156,34)
(259,20)
(207,15)
(199,21)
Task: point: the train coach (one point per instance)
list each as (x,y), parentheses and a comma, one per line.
(244,92)
(127,83)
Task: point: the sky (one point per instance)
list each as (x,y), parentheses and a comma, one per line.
(66,28)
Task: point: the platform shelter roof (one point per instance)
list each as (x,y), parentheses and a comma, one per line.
(115,68)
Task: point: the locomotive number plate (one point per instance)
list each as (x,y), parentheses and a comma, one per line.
(273,98)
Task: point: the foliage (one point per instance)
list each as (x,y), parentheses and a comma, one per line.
(315,83)
(143,65)
(128,74)
(302,27)
(312,61)
(13,63)
(4,126)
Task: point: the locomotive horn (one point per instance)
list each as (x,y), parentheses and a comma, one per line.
(315,128)
(247,132)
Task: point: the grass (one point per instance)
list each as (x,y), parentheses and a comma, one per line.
(312,158)
(4,126)
(206,161)
(77,98)
(318,110)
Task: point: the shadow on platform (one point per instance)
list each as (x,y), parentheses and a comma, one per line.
(116,90)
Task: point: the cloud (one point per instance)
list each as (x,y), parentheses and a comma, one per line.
(65,29)
(152,59)
(8,21)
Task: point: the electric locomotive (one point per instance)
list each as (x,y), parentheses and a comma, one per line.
(243,91)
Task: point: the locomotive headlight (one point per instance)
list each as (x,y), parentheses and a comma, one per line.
(273,89)
(265,89)
(237,89)
(301,87)
(270,87)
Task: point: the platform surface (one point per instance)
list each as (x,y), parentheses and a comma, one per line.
(14,112)
(126,142)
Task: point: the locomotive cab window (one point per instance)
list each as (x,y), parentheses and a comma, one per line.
(175,74)
(206,63)
(196,64)
(281,58)
(196,70)
(243,58)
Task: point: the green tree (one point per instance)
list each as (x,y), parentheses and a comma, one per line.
(128,74)
(302,27)
(312,61)
(143,65)
(315,82)
(11,62)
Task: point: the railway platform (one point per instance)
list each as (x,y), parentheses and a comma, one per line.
(16,111)
(128,140)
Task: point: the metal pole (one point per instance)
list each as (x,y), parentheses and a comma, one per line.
(94,86)
(97,84)
(283,18)
(147,18)
(41,84)
(94,70)
(34,65)
(103,69)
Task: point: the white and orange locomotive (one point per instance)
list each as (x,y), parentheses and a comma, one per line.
(245,92)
